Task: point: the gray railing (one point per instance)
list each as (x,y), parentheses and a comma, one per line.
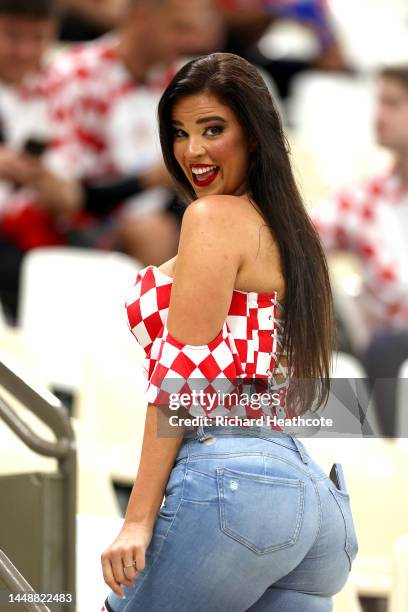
(16,583)
(50,411)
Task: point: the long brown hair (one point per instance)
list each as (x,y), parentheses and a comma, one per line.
(309,321)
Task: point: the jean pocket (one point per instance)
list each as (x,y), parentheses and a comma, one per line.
(264,513)
(351,543)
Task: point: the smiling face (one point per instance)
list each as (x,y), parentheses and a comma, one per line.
(210,145)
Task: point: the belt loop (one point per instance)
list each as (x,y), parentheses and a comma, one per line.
(201,434)
(301,449)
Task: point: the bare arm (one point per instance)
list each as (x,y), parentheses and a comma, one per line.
(207,265)
(157,459)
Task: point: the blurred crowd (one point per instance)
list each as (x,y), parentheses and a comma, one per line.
(80,161)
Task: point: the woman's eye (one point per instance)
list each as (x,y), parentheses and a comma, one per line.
(178,133)
(214,130)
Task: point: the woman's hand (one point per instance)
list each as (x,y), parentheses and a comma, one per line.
(130,545)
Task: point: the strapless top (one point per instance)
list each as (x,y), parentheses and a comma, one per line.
(247,351)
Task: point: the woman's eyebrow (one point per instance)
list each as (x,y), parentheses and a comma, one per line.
(202,120)
(214,118)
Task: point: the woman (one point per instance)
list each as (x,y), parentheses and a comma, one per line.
(250,521)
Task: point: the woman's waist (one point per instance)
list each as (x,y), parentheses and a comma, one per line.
(234,426)
(246,440)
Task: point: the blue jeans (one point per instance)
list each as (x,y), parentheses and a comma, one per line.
(250,522)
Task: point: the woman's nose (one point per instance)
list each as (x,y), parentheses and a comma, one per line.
(195,147)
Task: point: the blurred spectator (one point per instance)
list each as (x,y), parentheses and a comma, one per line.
(372,222)
(27,29)
(88,19)
(103,96)
(248,20)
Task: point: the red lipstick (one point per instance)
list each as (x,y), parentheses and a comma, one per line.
(203,179)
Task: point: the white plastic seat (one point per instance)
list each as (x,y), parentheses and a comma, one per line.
(402,401)
(318,100)
(111,404)
(70,297)
(375,471)
(350,406)
(399,596)
(94,534)
(346,366)
(348,304)
(347,600)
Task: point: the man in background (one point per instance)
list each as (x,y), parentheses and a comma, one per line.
(107,186)
(27,30)
(372,222)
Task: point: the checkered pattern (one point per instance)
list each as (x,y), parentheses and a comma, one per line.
(372,222)
(241,359)
(103,126)
(93,102)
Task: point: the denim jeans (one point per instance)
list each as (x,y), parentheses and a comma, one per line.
(250,522)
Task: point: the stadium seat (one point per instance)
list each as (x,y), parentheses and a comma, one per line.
(70,297)
(399,596)
(402,401)
(347,600)
(94,534)
(111,404)
(374,471)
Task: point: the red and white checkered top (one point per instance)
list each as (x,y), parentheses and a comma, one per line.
(244,354)
(371,221)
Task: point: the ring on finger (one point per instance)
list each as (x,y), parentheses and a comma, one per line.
(133,564)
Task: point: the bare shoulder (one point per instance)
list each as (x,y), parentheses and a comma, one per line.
(217,212)
(242,228)
(209,226)
(208,260)
(231,232)
(215,202)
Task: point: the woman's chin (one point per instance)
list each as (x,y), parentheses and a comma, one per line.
(209,190)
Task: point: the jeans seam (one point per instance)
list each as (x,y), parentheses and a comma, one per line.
(319,501)
(213,478)
(305,471)
(249,435)
(161,546)
(347,545)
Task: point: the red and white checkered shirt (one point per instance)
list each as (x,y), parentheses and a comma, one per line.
(104,120)
(23,116)
(243,356)
(372,222)
(103,125)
